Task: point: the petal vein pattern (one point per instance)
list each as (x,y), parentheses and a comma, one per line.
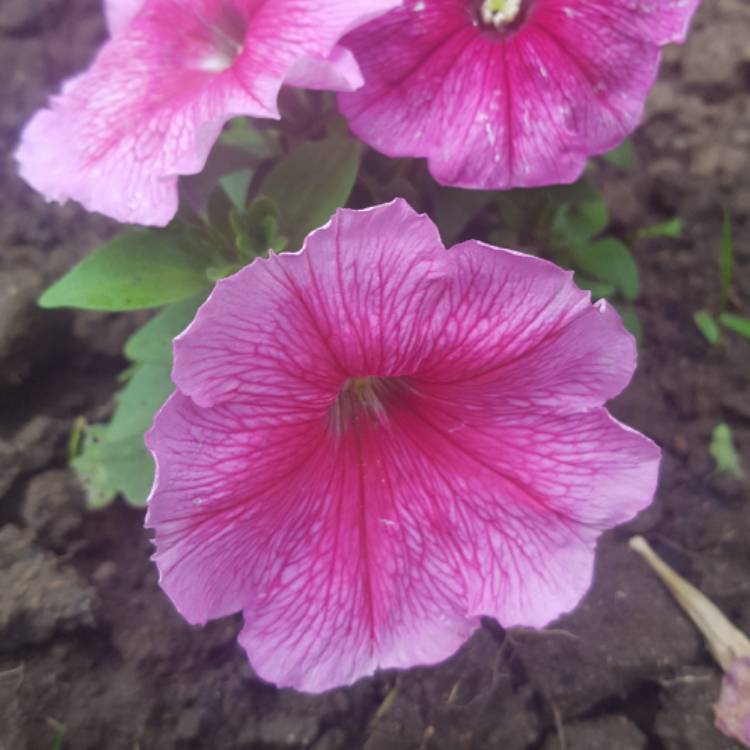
(160,90)
(520,105)
(376,441)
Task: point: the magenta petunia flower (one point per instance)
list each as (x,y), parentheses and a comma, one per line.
(508,93)
(158,93)
(375,441)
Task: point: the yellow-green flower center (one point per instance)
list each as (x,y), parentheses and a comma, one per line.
(499,13)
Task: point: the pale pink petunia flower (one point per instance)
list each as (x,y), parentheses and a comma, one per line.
(159,91)
(375,441)
(508,93)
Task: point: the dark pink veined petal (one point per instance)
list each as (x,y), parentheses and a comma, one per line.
(157,95)
(388,299)
(516,109)
(381,547)
(656,22)
(353,302)
(357,528)
(518,329)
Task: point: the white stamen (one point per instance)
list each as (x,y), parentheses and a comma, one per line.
(216,62)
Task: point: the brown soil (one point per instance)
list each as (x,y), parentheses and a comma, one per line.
(92,654)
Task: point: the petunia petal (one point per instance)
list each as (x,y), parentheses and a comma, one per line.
(338,72)
(382,548)
(375,536)
(350,303)
(518,328)
(120,13)
(157,95)
(493,110)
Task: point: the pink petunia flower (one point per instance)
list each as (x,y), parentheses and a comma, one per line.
(158,93)
(508,93)
(376,441)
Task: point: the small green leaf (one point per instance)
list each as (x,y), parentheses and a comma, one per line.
(218,208)
(134,271)
(737,323)
(671,228)
(727,260)
(139,400)
(310,183)
(107,467)
(579,220)
(724,453)
(622,157)
(263,216)
(609,260)
(598,289)
(708,326)
(153,342)
(236,186)
(114,458)
(261,143)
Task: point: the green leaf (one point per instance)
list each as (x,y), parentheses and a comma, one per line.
(262,222)
(261,143)
(236,186)
(218,207)
(598,289)
(737,323)
(708,326)
(310,183)
(114,458)
(134,271)
(609,260)
(671,228)
(622,157)
(724,453)
(107,467)
(727,260)
(579,220)
(140,399)
(153,342)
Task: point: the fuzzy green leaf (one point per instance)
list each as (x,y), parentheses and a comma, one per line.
(708,326)
(143,395)
(310,183)
(582,218)
(609,260)
(598,289)
(737,323)
(153,342)
(134,271)
(724,453)
(107,467)
(670,228)
(622,157)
